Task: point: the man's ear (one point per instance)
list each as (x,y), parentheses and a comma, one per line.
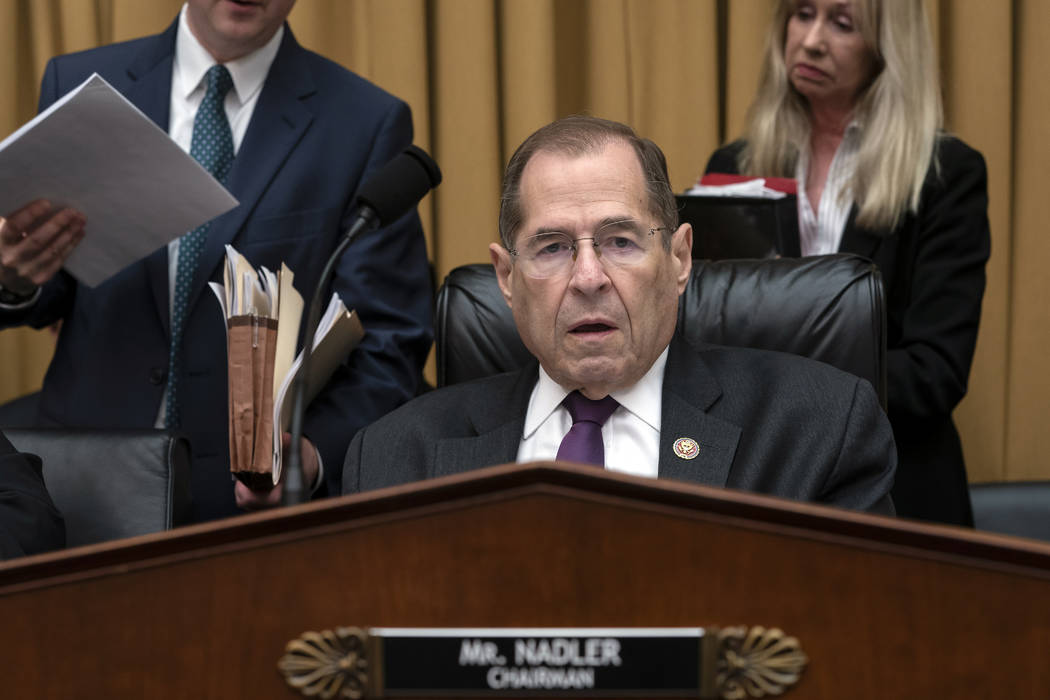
(504,268)
(682,252)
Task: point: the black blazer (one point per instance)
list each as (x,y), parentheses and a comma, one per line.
(933,268)
(29,521)
(766,422)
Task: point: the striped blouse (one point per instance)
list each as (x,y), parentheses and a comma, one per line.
(820,232)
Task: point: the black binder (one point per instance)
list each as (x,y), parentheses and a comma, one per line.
(741,227)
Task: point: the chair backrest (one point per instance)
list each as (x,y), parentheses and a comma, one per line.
(110,484)
(1019,508)
(829,308)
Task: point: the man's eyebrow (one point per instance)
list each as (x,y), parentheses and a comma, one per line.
(618,222)
(607,222)
(548,229)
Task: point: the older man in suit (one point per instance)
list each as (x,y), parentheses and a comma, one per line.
(292,135)
(592,263)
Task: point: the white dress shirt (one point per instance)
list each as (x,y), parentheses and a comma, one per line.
(820,232)
(631,436)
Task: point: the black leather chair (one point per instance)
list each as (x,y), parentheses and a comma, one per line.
(110,484)
(1019,508)
(829,308)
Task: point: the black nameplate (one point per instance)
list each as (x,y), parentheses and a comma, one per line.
(663,662)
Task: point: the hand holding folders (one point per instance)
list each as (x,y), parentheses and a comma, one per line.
(263,312)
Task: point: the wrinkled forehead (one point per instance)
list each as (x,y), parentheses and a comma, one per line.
(573,191)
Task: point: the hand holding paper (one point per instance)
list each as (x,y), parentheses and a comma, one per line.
(95,152)
(35,242)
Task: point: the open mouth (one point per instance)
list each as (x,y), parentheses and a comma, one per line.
(591,328)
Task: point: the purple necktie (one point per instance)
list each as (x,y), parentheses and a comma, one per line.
(583,442)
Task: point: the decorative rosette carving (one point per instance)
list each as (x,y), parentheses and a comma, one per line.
(327,664)
(755,662)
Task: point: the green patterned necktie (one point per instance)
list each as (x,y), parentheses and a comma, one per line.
(212,147)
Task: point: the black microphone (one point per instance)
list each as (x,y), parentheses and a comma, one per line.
(397,187)
(386,196)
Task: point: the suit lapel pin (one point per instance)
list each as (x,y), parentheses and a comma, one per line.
(686,448)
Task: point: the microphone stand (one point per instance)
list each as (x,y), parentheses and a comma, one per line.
(294,490)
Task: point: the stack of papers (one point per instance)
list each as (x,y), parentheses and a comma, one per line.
(746,188)
(263,313)
(96,152)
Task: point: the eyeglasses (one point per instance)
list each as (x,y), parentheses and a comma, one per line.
(552,253)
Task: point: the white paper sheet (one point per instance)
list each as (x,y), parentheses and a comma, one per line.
(95,151)
(749,188)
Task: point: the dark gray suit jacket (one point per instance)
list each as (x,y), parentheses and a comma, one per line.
(766,422)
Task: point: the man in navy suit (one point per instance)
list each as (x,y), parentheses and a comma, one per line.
(592,263)
(305,134)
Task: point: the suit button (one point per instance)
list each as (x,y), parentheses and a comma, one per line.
(158,376)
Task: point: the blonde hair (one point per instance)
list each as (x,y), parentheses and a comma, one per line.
(900,111)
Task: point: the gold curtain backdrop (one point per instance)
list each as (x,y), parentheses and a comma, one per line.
(481,74)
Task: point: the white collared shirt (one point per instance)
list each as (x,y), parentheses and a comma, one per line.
(188,83)
(631,435)
(820,232)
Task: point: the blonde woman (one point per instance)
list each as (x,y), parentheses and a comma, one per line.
(849,105)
